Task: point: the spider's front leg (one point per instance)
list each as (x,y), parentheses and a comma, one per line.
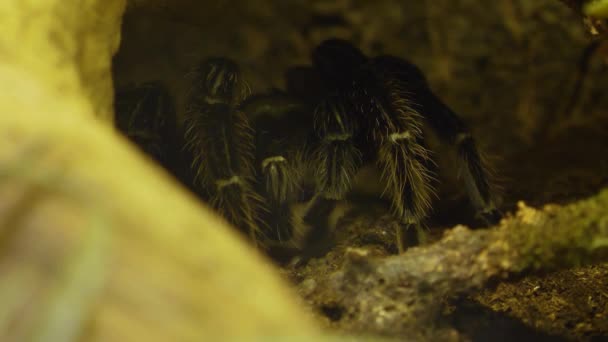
(336,159)
(451,130)
(221,142)
(402,157)
(337,156)
(473,168)
(282,125)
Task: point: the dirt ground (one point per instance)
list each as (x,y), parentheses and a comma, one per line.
(570,304)
(509,69)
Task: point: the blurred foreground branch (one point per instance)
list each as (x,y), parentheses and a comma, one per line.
(95,242)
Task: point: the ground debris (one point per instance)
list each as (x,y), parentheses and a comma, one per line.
(359,289)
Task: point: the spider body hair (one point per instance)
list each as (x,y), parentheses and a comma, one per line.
(220,140)
(474,170)
(390,133)
(237,201)
(404,160)
(145,114)
(473,167)
(337,157)
(281,124)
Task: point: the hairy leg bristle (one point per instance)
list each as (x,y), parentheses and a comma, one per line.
(220,142)
(477,176)
(337,163)
(281,178)
(241,206)
(407,179)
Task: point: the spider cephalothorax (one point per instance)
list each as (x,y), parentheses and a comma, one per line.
(375,111)
(220,142)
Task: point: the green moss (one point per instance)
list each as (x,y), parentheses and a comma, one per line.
(598,8)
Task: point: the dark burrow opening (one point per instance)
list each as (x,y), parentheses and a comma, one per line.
(333,312)
(511,71)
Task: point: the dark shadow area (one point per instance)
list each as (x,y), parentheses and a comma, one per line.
(479,323)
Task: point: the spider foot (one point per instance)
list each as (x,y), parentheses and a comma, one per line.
(490,217)
(410,235)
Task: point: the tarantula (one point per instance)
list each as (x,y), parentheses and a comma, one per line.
(375,111)
(249,156)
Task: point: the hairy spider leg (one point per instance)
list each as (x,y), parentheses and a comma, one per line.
(146,115)
(395,130)
(281,124)
(473,169)
(335,159)
(451,130)
(221,141)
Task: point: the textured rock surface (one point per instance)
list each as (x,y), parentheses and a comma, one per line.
(363,289)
